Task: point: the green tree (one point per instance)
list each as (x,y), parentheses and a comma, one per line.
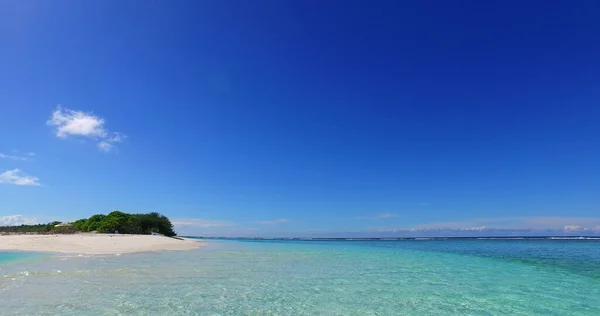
(155,223)
(113,221)
(93,222)
(80,225)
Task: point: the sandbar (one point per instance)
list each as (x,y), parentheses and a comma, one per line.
(95,244)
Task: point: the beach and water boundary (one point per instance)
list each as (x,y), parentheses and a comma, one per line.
(90,244)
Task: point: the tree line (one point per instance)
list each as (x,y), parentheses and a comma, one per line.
(37,229)
(116,221)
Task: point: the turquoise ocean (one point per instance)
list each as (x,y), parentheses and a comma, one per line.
(416,277)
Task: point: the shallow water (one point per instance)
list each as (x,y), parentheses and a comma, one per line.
(472,277)
(12,257)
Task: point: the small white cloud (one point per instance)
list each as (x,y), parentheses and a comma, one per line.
(16,220)
(108,143)
(17,177)
(26,157)
(380,216)
(105,146)
(68,123)
(571,228)
(206,227)
(76,123)
(274,222)
(199,223)
(480,228)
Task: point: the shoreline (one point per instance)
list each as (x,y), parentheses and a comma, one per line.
(96,244)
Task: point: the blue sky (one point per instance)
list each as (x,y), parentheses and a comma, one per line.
(303,117)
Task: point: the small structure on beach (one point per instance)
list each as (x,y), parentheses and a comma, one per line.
(63,225)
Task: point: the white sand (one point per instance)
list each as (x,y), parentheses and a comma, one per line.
(95,244)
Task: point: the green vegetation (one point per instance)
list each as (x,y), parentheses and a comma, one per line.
(37,229)
(115,221)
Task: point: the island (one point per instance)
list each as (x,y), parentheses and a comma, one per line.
(115,233)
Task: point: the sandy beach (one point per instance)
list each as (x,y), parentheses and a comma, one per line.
(95,244)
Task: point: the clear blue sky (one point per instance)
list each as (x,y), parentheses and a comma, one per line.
(290,117)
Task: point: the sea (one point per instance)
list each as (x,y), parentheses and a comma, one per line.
(314,277)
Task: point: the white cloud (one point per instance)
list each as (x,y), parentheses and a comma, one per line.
(478,229)
(76,123)
(16,220)
(380,216)
(105,146)
(274,222)
(570,228)
(536,223)
(25,157)
(68,123)
(108,143)
(203,227)
(199,223)
(17,177)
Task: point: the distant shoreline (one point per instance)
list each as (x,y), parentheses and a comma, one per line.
(402,238)
(95,244)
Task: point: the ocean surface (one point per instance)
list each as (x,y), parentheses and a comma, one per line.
(418,277)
